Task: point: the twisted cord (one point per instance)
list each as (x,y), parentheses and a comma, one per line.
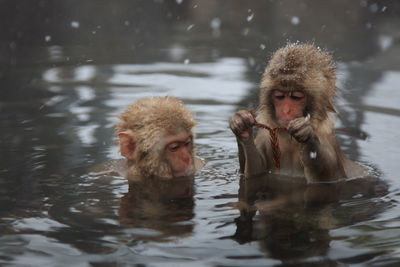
(273,136)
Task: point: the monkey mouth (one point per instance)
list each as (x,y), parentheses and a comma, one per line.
(187,172)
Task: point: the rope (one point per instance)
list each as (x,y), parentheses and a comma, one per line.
(276,152)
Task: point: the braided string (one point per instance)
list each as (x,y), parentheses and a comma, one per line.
(273,137)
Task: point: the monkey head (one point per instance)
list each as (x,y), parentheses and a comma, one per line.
(303,69)
(150,133)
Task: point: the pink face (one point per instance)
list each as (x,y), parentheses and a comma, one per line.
(179,154)
(288,105)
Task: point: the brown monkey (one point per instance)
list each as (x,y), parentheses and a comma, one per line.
(156,137)
(297,92)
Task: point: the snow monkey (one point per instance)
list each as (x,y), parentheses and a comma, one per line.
(297,95)
(156,137)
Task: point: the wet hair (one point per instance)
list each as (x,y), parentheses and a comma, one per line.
(148,122)
(305,68)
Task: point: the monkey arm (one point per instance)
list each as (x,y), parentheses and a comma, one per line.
(320,153)
(242,158)
(251,161)
(321,160)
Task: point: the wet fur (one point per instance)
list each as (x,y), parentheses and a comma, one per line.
(305,68)
(148,122)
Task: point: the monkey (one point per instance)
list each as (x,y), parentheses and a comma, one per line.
(156,138)
(297,93)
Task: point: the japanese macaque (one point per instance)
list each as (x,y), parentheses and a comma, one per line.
(156,137)
(297,93)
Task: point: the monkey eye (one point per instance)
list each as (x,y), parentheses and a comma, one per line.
(296,95)
(173,147)
(189,141)
(278,95)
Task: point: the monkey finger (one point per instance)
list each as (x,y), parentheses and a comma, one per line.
(238,127)
(246,120)
(234,125)
(240,122)
(298,123)
(292,131)
(247,117)
(294,128)
(303,134)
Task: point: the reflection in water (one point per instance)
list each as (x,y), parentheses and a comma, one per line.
(294,218)
(164,206)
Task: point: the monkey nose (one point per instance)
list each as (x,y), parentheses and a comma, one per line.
(287,109)
(187,157)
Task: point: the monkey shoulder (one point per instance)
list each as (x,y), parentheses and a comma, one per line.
(354,169)
(114,168)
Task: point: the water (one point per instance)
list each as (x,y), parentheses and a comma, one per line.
(62,91)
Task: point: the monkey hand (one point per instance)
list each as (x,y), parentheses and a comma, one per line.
(242,124)
(301,130)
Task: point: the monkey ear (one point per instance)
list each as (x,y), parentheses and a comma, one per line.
(126,145)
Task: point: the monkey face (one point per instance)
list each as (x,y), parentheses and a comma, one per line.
(179,154)
(288,105)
